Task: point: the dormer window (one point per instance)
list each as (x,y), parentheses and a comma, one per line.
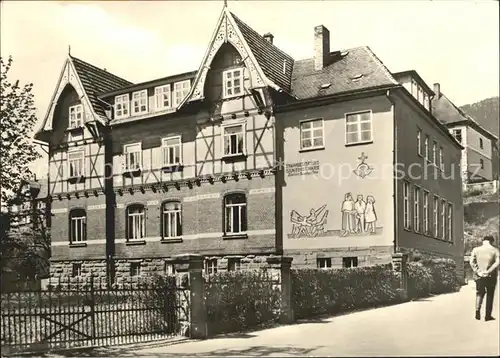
(181,90)
(233,82)
(140,102)
(76,116)
(122,106)
(163,97)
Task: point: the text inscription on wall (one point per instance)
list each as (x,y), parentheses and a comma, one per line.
(303,168)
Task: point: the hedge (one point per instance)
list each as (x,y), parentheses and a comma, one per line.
(444,275)
(316,292)
(420,280)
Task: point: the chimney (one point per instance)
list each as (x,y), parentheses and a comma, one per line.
(437,90)
(321,47)
(269,37)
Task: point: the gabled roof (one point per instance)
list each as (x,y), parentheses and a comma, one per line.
(276,64)
(354,69)
(95,81)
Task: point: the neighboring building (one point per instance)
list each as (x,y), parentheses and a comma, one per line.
(31,205)
(224,162)
(480,153)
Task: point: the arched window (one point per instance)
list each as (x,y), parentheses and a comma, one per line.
(235,211)
(136,222)
(171,219)
(77,226)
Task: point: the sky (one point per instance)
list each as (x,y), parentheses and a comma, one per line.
(451,42)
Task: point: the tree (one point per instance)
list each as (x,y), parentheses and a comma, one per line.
(17,121)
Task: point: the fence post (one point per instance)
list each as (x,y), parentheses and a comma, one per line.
(193,265)
(399,261)
(282,265)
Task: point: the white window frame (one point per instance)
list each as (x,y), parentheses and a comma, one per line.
(137,153)
(435,219)
(76,122)
(169,269)
(324,263)
(160,94)
(182,91)
(138,224)
(434,153)
(450,221)
(419,141)
(76,269)
(167,150)
(73,161)
(426,147)
(243,134)
(170,215)
(231,80)
(141,99)
(353,261)
(122,106)
(458,131)
(416,209)
(441,160)
(358,131)
(211,266)
(230,209)
(426,208)
(406,205)
(235,262)
(77,236)
(443,219)
(311,131)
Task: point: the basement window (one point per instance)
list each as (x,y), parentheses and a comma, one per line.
(135,269)
(324,263)
(349,262)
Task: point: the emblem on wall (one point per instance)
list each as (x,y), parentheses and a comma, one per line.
(363,169)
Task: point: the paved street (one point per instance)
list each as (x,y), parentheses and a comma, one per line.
(440,325)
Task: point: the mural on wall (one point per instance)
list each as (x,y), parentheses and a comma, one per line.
(363,169)
(358,218)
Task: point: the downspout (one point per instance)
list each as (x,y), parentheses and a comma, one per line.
(394,164)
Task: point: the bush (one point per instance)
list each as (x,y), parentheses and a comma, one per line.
(420,279)
(237,300)
(444,275)
(317,292)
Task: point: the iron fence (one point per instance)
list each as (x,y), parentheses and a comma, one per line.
(83,314)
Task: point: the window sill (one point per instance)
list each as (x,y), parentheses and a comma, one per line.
(311,149)
(172,168)
(74,180)
(234,157)
(75,130)
(171,240)
(235,236)
(78,244)
(359,143)
(135,242)
(131,173)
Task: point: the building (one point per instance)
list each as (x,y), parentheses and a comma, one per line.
(222,161)
(480,153)
(30,206)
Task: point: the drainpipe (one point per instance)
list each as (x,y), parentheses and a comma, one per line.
(394,163)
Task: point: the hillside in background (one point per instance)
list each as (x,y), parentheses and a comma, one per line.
(486,112)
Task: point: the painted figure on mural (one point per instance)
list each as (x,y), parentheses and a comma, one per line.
(360,208)
(370,214)
(311,225)
(348,215)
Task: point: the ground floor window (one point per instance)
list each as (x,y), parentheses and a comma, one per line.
(348,262)
(324,262)
(233,264)
(211,266)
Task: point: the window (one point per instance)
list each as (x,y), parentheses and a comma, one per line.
(163,97)
(324,263)
(457,133)
(233,82)
(450,222)
(441,162)
(233,264)
(169,269)
(443,219)
(419,142)
(135,269)
(426,147)
(140,102)
(348,262)
(181,90)
(406,205)
(481,143)
(358,128)
(122,106)
(426,101)
(312,134)
(426,212)
(76,269)
(76,116)
(434,153)
(234,140)
(236,214)
(135,222)
(171,220)
(76,162)
(172,149)
(481,163)
(132,157)
(416,208)
(435,209)
(77,226)
(211,266)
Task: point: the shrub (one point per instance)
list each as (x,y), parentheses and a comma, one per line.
(317,292)
(420,279)
(237,300)
(444,275)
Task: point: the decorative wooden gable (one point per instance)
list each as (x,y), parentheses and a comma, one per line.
(227,31)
